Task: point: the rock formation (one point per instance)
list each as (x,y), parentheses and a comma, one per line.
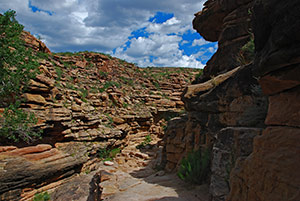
(271,171)
(227,22)
(86,102)
(248,114)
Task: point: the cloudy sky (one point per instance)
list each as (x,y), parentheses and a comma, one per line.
(146,32)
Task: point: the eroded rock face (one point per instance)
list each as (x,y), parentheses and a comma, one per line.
(271,171)
(223,114)
(86,102)
(227,22)
(31,167)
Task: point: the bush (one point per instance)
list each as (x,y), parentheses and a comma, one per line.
(41,197)
(146,141)
(17,66)
(108,154)
(17,125)
(247,52)
(195,168)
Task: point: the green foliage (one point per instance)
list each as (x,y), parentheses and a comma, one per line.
(41,197)
(83,94)
(59,73)
(108,154)
(146,141)
(17,64)
(156,85)
(199,74)
(247,52)
(195,168)
(17,125)
(108,84)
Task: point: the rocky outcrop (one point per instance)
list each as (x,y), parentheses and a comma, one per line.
(271,171)
(223,114)
(33,43)
(86,102)
(226,108)
(23,169)
(227,22)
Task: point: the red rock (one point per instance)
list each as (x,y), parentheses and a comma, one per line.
(42,155)
(7,148)
(284,108)
(29,150)
(35,98)
(272,170)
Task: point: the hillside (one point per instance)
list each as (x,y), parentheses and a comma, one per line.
(88,105)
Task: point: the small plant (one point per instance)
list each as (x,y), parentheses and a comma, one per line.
(247,52)
(17,124)
(156,85)
(146,141)
(108,154)
(59,73)
(199,74)
(83,93)
(43,196)
(195,168)
(108,84)
(70,86)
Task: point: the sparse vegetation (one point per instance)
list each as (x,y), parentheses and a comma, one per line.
(146,141)
(108,154)
(195,167)
(43,196)
(247,52)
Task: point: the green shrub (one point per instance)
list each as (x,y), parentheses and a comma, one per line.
(59,72)
(108,84)
(16,124)
(18,65)
(195,168)
(146,141)
(108,154)
(247,52)
(41,197)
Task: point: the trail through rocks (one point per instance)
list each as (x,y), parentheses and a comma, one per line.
(134,176)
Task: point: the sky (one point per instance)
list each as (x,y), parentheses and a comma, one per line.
(145,32)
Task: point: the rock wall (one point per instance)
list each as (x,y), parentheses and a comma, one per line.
(247,115)
(271,171)
(227,108)
(227,22)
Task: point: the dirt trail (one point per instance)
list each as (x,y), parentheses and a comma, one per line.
(134,176)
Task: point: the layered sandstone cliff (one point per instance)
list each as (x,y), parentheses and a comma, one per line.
(227,22)
(86,102)
(247,114)
(271,171)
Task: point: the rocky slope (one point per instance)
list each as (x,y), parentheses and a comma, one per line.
(245,112)
(85,103)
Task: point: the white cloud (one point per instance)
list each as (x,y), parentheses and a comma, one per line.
(104,25)
(199,42)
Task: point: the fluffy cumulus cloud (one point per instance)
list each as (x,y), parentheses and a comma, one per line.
(148,32)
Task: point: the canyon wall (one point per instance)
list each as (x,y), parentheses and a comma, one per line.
(271,171)
(246,113)
(85,102)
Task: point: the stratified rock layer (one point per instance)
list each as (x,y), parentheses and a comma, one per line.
(271,171)
(227,22)
(85,103)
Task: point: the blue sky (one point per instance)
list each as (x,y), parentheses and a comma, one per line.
(148,32)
